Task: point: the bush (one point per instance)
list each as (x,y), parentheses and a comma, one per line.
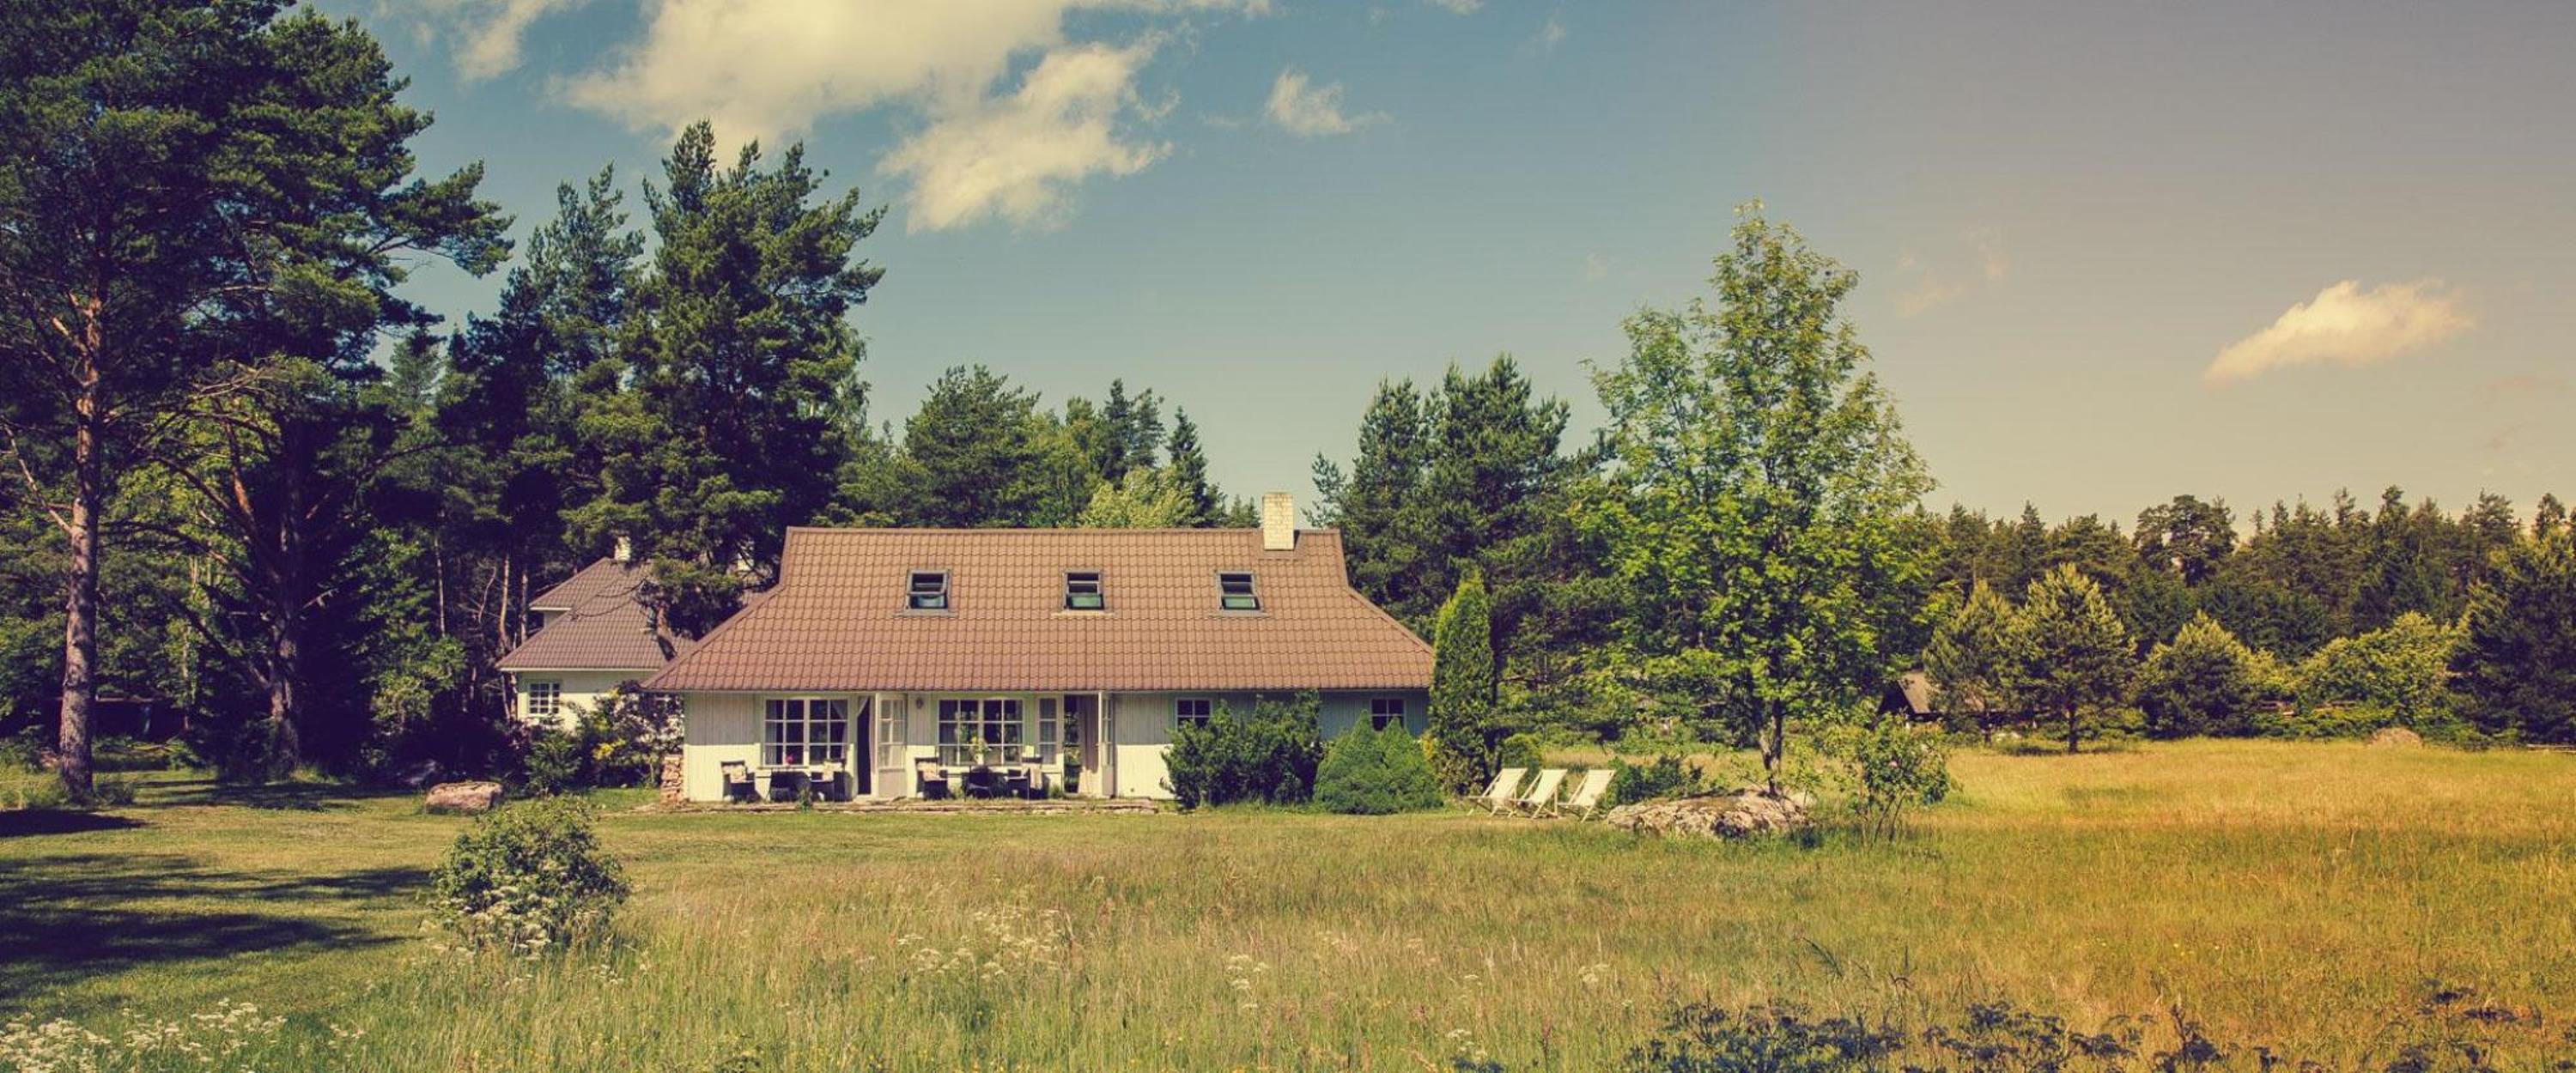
(1371,772)
(2402,670)
(553,762)
(1267,757)
(1669,775)
(1522,750)
(528,877)
(1891,767)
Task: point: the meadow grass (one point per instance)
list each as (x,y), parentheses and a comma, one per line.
(2302,896)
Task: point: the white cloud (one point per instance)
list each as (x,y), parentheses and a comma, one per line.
(1459,7)
(770,68)
(1978,264)
(1014,156)
(1549,35)
(2345,325)
(1311,111)
(488,32)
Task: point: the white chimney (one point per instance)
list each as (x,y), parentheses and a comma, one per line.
(625,552)
(1278,522)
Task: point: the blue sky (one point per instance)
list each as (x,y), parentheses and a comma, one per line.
(2109,252)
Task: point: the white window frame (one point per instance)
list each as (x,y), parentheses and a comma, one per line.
(1003,717)
(890,747)
(1050,746)
(1183,715)
(806,715)
(545,698)
(1378,716)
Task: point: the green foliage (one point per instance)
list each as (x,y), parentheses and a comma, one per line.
(1891,766)
(1370,772)
(1268,756)
(2401,671)
(1667,775)
(2517,660)
(529,877)
(1188,473)
(2201,682)
(1970,659)
(2073,661)
(1144,498)
(1464,725)
(1523,750)
(1751,505)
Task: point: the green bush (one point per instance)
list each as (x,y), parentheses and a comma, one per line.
(1370,772)
(1521,750)
(528,877)
(1669,775)
(554,762)
(2324,721)
(1891,767)
(1267,757)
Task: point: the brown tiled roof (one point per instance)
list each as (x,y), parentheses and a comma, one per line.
(837,620)
(601,625)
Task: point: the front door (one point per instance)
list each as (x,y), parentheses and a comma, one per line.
(1082,733)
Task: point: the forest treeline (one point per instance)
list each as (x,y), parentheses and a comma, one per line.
(248,480)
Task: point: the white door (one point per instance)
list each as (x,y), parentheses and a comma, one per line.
(894,777)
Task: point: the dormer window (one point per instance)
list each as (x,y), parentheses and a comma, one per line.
(1082,591)
(928,591)
(1234,592)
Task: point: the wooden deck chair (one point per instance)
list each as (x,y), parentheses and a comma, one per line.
(1507,783)
(1541,800)
(1590,793)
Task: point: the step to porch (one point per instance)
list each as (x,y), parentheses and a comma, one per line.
(911,806)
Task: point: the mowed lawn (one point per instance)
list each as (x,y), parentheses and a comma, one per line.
(2301,896)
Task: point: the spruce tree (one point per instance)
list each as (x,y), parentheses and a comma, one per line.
(2517,665)
(1969,659)
(1188,473)
(2073,658)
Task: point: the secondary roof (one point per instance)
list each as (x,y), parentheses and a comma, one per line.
(595,621)
(839,618)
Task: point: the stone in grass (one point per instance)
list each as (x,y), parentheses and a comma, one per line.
(2396,738)
(1741,814)
(464,797)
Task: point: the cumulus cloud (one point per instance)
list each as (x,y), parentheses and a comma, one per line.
(1311,111)
(2345,325)
(988,148)
(1014,156)
(1979,264)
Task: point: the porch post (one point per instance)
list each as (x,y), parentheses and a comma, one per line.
(1108,745)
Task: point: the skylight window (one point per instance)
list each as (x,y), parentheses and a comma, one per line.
(1234,592)
(928,591)
(1082,591)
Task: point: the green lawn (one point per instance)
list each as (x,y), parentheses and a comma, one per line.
(2297,895)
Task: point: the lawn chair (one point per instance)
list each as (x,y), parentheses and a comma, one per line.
(934,778)
(737,781)
(1589,795)
(1507,783)
(1541,800)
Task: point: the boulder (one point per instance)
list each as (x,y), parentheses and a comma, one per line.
(464,797)
(1741,814)
(2396,738)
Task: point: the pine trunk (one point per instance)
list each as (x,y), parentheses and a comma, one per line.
(80,598)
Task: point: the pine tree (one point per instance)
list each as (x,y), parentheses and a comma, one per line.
(1970,658)
(1188,473)
(971,453)
(2073,658)
(2201,682)
(2517,664)
(1463,724)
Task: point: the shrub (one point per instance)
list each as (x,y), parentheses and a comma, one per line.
(1891,767)
(528,877)
(1521,751)
(1266,757)
(553,762)
(1669,775)
(2403,670)
(1369,772)
(2201,682)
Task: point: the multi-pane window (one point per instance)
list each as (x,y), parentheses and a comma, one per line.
(1193,711)
(1050,730)
(1234,591)
(979,730)
(1082,591)
(545,699)
(1386,712)
(800,731)
(890,734)
(927,591)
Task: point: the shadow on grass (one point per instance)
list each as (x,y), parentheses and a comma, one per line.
(67,917)
(280,796)
(24,823)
